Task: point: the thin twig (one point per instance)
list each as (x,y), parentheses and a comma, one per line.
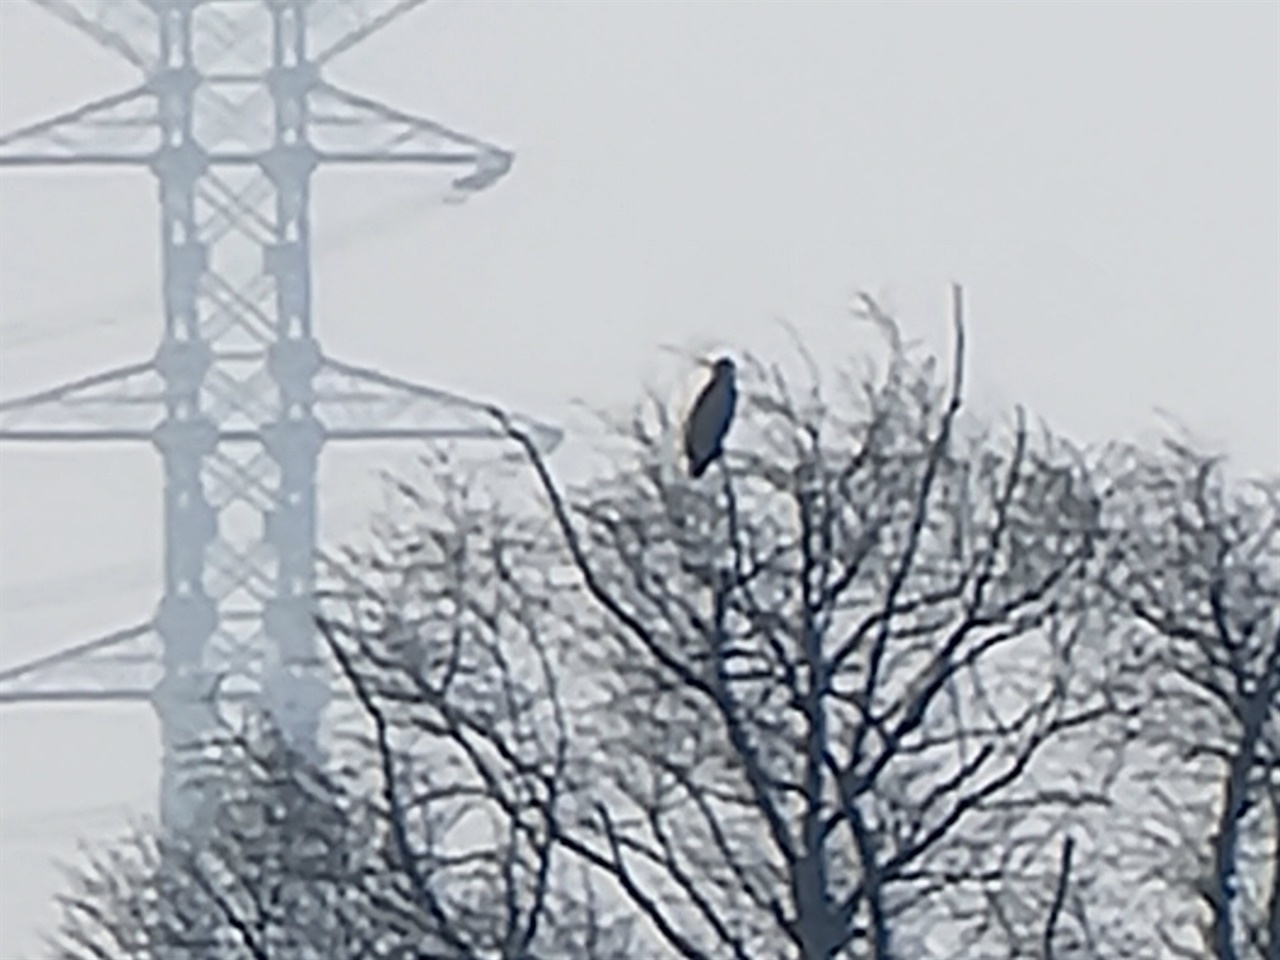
(1059,896)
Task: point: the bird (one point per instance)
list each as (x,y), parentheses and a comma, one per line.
(710,417)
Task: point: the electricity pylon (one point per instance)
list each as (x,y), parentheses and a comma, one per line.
(233,116)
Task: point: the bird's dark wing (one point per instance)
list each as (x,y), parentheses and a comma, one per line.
(707,424)
(692,431)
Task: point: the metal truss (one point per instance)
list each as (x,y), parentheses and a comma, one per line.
(232,115)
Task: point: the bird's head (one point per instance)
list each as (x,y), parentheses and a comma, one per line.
(720,367)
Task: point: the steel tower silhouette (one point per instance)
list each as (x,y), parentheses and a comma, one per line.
(232,116)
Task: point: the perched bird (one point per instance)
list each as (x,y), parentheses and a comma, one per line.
(709,420)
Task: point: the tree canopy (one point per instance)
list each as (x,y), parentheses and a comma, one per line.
(886,682)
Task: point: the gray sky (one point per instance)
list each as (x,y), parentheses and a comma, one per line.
(1102,178)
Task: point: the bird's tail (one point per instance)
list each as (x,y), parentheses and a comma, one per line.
(698,467)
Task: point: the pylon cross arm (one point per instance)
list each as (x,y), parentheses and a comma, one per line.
(352,403)
(124,403)
(346,127)
(336,26)
(123,664)
(356,403)
(130,28)
(119,128)
(127,27)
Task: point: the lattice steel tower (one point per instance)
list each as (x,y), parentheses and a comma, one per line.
(232,117)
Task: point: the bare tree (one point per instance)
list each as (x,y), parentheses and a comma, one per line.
(1195,564)
(272,872)
(828,683)
(808,707)
(447,636)
(875,686)
(295,866)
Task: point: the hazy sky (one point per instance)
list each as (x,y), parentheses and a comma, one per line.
(1102,178)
